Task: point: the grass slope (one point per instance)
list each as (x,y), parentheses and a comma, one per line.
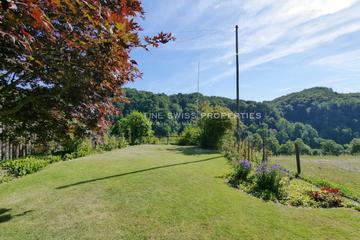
(154,192)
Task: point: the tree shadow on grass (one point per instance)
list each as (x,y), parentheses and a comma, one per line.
(5,216)
(137,171)
(192,150)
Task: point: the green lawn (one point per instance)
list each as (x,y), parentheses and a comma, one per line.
(154,192)
(344,171)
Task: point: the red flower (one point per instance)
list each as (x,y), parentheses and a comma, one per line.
(331,190)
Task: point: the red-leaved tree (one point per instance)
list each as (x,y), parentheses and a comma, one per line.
(63,63)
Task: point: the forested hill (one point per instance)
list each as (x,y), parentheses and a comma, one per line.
(334,115)
(309,114)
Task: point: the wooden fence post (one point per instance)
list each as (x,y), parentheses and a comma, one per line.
(264,158)
(298,166)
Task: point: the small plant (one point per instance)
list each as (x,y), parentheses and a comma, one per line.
(190,136)
(122,143)
(83,149)
(297,194)
(24,166)
(331,190)
(241,173)
(52,158)
(5,176)
(268,181)
(152,140)
(68,156)
(110,143)
(327,197)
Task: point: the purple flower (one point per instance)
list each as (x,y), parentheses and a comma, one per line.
(280,169)
(262,168)
(245,164)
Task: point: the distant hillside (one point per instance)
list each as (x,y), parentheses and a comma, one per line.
(310,114)
(334,115)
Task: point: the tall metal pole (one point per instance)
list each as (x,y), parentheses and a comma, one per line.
(198,82)
(198,91)
(237,88)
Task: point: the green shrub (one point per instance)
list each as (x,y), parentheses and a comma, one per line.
(287,148)
(215,124)
(110,143)
(297,194)
(355,146)
(5,176)
(135,127)
(52,158)
(316,152)
(190,136)
(69,156)
(24,166)
(304,149)
(330,147)
(322,183)
(327,197)
(122,143)
(240,173)
(152,140)
(268,181)
(83,149)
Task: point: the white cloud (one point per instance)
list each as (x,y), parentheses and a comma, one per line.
(347,61)
(302,45)
(269,30)
(275,29)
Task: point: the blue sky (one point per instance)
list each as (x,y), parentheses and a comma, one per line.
(285,46)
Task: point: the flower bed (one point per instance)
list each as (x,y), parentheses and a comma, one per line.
(275,183)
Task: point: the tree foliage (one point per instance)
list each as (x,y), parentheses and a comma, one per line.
(355,146)
(190,136)
(272,115)
(335,116)
(135,127)
(330,147)
(63,63)
(215,124)
(287,148)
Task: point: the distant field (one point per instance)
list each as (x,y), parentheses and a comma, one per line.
(342,170)
(157,192)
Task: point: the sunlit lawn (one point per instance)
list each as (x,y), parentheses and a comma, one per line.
(160,192)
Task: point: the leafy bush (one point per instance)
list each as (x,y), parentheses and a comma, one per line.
(74,148)
(268,181)
(330,147)
(215,124)
(287,148)
(52,158)
(122,143)
(5,176)
(241,173)
(355,146)
(24,166)
(327,197)
(69,156)
(316,152)
(110,143)
(152,140)
(297,194)
(83,149)
(304,149)
(230,151)
(135,127)
(191,136)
